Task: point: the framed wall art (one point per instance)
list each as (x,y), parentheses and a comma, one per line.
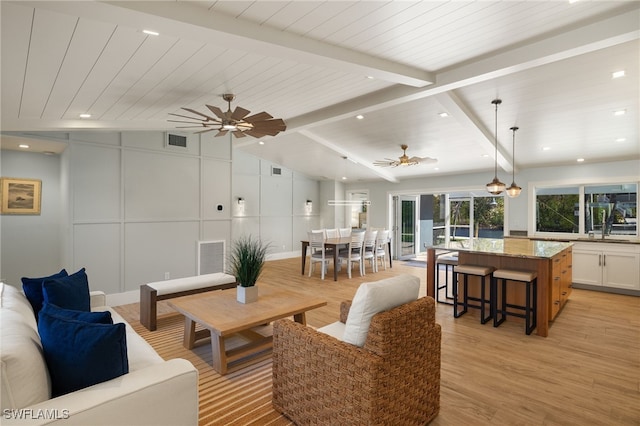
(20,196)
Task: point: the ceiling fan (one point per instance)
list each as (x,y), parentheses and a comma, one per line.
(404,160)
(238,122)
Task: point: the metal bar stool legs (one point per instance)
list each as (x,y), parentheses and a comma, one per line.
(530,308)
(483,302)
(447,261)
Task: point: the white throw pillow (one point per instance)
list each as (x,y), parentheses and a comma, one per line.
(378,296)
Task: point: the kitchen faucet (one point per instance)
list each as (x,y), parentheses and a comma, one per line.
(604,223)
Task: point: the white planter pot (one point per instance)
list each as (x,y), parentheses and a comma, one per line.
(247,294)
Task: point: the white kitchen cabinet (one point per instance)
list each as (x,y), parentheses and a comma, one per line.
(614,265)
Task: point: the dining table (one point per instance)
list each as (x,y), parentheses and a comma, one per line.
(334,245)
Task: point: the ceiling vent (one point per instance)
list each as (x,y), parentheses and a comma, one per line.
(276,171)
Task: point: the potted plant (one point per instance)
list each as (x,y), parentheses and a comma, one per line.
(246,261)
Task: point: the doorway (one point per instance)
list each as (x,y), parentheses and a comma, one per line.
(405,226)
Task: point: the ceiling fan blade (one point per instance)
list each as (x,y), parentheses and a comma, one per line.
(261,116)
(255,133)
(238,134)
(217,111)
(198,123)
(193,111)
(221,133)
(185,116)
(276,124)
(239,113)
(206,130)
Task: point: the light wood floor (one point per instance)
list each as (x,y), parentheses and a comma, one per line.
(587,372)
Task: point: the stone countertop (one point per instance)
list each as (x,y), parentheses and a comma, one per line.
(595,239)
(516,247)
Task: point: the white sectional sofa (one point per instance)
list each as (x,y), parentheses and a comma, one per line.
(154,392)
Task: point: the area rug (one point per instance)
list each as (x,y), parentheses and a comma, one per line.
(239,398)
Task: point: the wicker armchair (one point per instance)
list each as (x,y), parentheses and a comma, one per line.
(394,379)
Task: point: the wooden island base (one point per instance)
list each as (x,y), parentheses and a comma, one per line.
(552,262)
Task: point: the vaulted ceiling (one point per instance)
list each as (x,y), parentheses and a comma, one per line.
(319,64)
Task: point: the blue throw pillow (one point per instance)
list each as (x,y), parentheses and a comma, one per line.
(81,354)
(71,292)
(32,288)
(93,317)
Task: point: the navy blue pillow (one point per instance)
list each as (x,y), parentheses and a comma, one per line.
(93,317)
(81,354)
(71,292)
(32,288)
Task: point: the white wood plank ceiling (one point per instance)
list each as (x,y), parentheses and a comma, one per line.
(318,64)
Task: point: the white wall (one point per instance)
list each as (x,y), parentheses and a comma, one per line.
(130,209)
(30,244)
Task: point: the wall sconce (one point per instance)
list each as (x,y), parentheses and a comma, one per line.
(309,206)
(309,203)
(240,201)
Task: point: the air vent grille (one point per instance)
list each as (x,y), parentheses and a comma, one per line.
(176,140)
(210,257)
(276,171)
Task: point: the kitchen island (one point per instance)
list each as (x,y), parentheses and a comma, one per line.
(552,260)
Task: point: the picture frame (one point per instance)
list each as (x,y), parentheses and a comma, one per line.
(20,196)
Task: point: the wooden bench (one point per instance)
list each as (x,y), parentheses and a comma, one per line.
(151,293)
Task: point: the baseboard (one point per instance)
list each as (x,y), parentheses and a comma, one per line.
(627,292)
(125,298)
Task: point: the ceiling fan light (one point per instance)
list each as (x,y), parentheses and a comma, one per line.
(495,187)
(229,126)
(514,190)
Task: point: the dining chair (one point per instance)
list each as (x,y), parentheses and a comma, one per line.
(369,250)
(344,232)
(354,252)
(332,233)
(382,244)
(317,253)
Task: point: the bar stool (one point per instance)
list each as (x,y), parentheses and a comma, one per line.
(480,271)
(531,300)
(448,260)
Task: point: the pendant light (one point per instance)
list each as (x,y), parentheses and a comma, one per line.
(496,187)
(514,190)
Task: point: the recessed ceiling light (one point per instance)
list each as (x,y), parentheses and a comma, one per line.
(344,178)
(573,1)
(484,155)
(370,77)
(149,32)
(23,146)
(436,168)
(621,139)
(444,114)
(359,116)
(620,112)
(617,74)
(85,115)
(580,160)
(260,142)
(546,148)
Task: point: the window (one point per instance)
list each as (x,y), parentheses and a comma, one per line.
(584,209)
(557,209)
(611,206)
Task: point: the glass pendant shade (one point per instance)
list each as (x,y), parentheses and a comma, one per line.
(514,190)
(496,187)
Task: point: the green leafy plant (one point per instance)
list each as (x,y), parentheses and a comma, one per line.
(247,260)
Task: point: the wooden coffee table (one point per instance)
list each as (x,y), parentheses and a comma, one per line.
(222,316)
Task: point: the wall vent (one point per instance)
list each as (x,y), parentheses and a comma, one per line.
(176,140)
(211,257)
(276,171)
